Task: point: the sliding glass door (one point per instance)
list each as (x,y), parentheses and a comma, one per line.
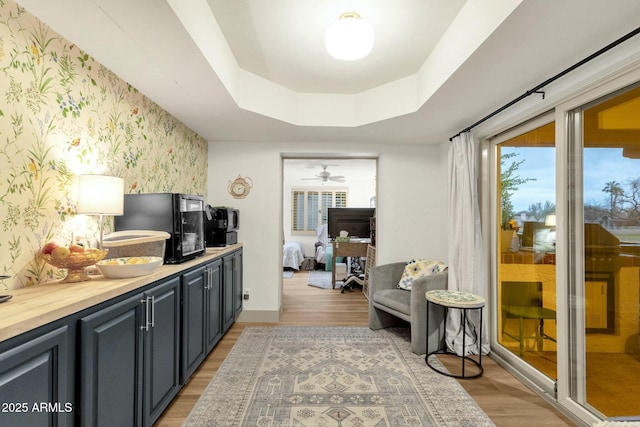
(565,228)
(606,288)
(525,246)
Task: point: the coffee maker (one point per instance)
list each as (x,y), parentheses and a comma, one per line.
(221,226)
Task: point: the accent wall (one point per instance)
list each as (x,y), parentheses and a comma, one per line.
(63,114)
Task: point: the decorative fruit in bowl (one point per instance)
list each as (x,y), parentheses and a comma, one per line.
(48,248)
(74,258)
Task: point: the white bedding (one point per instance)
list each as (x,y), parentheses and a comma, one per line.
(321,255)
(321,246)
(292,255)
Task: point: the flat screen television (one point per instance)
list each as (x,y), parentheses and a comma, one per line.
(356,221)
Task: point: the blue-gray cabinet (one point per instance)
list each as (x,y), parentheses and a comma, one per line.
(232,289)
(213,319)
(228,311)
(120,362)
(36,380)
(238,296)
(202,319)
(130,353)
(212,301)
(162,350)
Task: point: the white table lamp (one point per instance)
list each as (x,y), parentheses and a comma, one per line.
(100,195)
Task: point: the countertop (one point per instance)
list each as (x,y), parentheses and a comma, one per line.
(35,306)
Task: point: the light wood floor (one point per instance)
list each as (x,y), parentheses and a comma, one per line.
(505,399)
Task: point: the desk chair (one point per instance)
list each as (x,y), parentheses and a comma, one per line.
(351,282)
(356,276)
(362,280)
(523,301)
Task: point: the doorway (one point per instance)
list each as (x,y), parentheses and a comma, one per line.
(312,185)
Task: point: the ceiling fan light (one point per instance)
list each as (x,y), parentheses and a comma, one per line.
(349,38)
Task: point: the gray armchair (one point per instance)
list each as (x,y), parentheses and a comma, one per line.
(390,306)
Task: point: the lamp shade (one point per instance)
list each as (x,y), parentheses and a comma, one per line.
(550,220)
(349,38)
(100,195)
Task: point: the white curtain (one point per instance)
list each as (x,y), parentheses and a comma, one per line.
(466,253)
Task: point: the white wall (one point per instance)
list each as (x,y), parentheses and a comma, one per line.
(411,206)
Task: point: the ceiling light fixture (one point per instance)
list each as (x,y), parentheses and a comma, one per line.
(349,38)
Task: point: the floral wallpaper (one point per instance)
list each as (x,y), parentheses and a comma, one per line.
(63,114)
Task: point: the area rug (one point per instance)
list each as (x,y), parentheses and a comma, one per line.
(331,376)
(322,279)
(288,274)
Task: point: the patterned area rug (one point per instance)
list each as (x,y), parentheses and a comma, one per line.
(331,376)
(322,279)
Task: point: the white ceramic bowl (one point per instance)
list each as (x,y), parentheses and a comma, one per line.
(122,268)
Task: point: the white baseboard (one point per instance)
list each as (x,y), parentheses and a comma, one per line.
(259,316)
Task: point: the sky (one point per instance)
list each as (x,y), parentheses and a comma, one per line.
(601,166)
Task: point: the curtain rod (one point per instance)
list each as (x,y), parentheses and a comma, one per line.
(552,79)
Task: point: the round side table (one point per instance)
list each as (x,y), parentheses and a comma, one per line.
(463,301)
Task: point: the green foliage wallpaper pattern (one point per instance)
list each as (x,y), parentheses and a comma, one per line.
(63,114)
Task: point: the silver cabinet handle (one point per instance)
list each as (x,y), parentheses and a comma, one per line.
(152,303)
(149,312)
(209,279)
(145,326)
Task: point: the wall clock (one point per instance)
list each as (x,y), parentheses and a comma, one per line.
(240,187)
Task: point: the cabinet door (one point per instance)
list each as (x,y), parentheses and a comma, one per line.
(111,367)
(237,283)
(162,349)
(194,307)
(228,302)
(214,304)
(35,373)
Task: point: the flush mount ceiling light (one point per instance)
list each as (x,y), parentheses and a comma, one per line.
(349,38)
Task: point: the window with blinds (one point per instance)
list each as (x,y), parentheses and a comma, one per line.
(310,206)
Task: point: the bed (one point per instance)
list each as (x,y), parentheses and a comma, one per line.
(292,255)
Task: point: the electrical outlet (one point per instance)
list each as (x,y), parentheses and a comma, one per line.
(246,294)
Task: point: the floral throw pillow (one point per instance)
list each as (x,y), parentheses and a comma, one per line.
(419,268)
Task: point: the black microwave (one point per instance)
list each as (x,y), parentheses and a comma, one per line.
(180,215)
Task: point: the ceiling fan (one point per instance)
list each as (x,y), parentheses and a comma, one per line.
(325,176)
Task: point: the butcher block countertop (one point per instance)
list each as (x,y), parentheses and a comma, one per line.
(38,305)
